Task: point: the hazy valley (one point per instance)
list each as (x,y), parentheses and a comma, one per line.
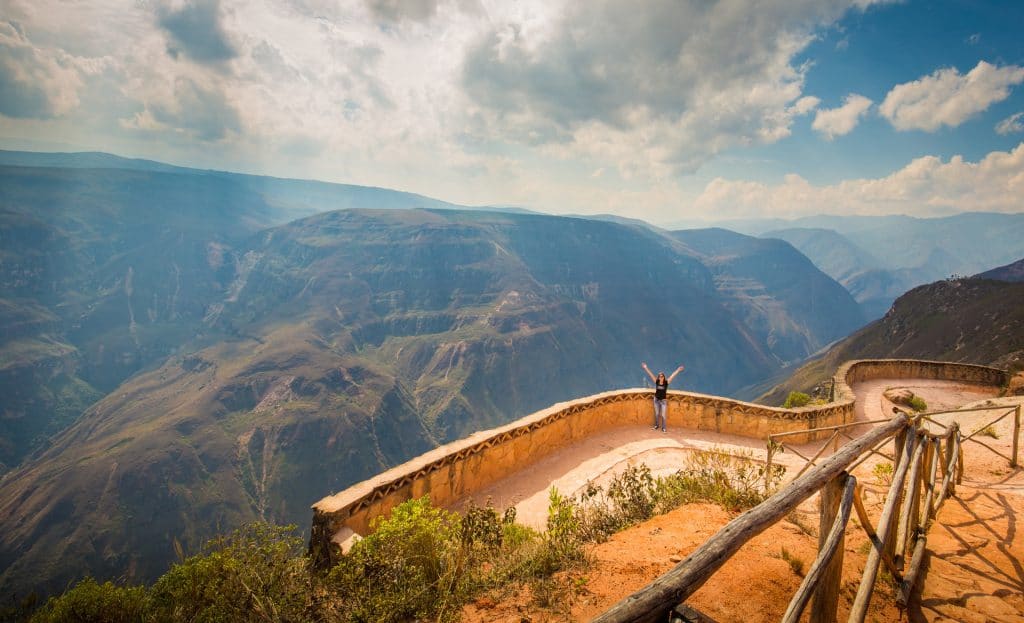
(878,258)
(181,357)
(185,351)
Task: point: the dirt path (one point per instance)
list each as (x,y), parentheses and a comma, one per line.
(974,569)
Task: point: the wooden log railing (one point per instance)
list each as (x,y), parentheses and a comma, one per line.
(928,465)
(1015,410)
(653,602)
(775,446)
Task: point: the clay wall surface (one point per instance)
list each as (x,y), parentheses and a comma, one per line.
(853,372)
(458,469)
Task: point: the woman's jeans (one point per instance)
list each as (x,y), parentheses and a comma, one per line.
(660,405)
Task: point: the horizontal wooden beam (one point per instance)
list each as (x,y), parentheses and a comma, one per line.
(653,602)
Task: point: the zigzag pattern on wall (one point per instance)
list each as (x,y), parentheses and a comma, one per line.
(386,489)
(332,513)
(477,448)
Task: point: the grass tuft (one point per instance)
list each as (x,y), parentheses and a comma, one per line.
(989,431)
(795,563)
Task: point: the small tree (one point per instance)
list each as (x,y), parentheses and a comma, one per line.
(92,602)
(918,404)
(254,574)
(796,399)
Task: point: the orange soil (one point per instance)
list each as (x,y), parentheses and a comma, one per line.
(973,565)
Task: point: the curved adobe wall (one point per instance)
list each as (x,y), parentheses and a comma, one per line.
(455,470)
(458,469)
(867,369)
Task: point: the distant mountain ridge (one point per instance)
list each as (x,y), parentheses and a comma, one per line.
(293,198)
(970,320)
(1011,272)
(879,258)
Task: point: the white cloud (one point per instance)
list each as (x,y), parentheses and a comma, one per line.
(925,187)
(659,90)
(1011,125)
(833,122)
(35,83)
(414,94)
(337,91)
(948,98)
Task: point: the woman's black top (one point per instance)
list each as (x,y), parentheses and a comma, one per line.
(661,390)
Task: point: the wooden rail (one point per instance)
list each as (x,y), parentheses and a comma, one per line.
(928,466)
(653,602)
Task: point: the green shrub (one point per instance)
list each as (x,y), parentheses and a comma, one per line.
(425,563)
(733,480)
(883,473)
(409,567)
(564,537)
(256,573)
(631,498)
(91,602)
(633,494)
(796,399)
(918,404)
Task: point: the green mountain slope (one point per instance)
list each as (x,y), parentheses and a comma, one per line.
(358,340)
(240,368)
(776,292)
(963,320)
(102,273)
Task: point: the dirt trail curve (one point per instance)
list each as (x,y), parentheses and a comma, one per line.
(974,570)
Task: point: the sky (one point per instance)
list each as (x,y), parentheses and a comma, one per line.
(665,110)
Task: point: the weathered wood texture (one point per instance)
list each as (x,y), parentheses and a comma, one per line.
(824,578)
(859,608)
(1016,436)
(653,602)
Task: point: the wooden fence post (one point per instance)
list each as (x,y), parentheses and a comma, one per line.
(906,514)
(886,523)
(826,597)
(1016,435)
(902,454)
(959,464)
(899,442)
(928,458)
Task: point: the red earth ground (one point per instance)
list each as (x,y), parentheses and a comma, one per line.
(973,569)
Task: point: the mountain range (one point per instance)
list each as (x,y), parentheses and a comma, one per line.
(181,354)
(976,319)
(878,258)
